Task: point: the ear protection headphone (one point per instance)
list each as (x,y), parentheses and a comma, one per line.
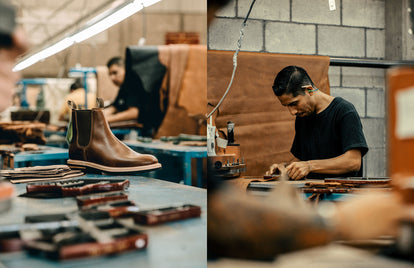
(310,90)
(313,90)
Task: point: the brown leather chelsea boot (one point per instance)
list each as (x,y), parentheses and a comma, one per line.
(92,145)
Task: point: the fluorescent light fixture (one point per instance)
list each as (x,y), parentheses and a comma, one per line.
(108,21)
(92,27)
(47,52)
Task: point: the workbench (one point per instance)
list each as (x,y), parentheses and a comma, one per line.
(262,188)
(184,153)
(46,154)
(177,244)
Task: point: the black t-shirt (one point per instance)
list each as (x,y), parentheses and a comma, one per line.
(330,133)
(127,97)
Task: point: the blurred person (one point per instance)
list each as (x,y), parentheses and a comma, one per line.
(77,95)
(13,43)
(125,105)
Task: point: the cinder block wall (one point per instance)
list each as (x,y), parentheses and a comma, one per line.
(356,29)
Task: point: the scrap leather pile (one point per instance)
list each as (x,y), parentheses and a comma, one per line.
(22,131)
(345,185)
(101,226)
(40,173)
(71,188)
(69,236)
(118,206)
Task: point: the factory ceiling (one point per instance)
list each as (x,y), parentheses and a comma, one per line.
(45,20)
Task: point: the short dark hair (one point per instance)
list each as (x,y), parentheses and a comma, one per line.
(77,84)
(115,60)
(290,81)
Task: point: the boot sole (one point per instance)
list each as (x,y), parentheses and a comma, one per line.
(78,164)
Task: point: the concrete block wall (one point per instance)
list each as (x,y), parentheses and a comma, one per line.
(356,29)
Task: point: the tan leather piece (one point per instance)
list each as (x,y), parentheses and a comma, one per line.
(193,93)
(104,148)
(185,84)
(264,128)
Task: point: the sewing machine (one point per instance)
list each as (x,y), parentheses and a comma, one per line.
(227,161)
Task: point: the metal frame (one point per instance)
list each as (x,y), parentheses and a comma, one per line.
(367,63)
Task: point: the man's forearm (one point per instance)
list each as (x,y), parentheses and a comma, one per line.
(347,162)
(109,110)
(129,114)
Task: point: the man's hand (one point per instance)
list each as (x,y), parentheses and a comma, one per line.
(298,170)
(274,169)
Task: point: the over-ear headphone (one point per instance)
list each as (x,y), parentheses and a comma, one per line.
(313,90)
(310,90)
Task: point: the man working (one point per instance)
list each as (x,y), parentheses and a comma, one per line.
(329,141)
(125,106)
(77,95)
(241,225)
(13,42)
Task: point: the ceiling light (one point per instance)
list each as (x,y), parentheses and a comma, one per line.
(91,28)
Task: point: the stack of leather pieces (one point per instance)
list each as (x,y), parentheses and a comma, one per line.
(40,173)
(22,131)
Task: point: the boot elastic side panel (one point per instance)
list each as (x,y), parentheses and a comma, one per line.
(84,126)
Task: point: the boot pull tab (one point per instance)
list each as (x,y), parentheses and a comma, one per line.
(100,103)
(72,105)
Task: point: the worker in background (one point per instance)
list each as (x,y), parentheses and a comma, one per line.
(243,226)
(329,141)
(125,106)
(13,42)
(77,95)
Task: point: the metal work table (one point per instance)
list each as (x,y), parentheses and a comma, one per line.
(46,153)
(177,244)
(185,153)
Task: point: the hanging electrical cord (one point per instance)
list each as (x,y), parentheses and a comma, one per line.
(234,60)
(143,39)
